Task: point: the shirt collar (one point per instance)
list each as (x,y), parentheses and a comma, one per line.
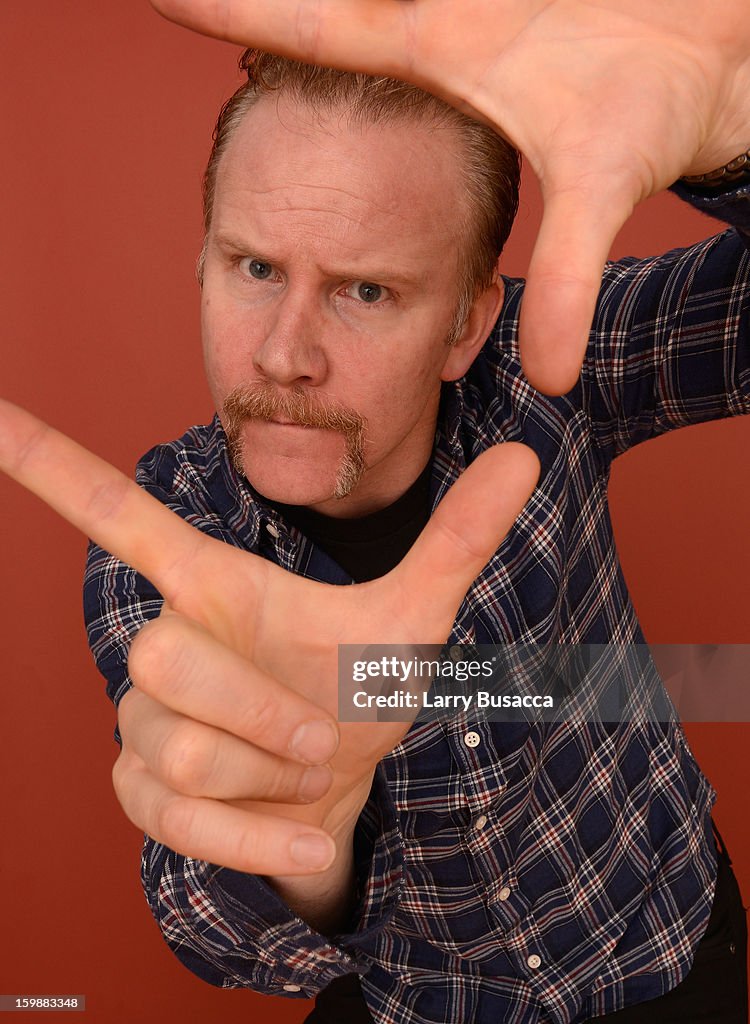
(449,457)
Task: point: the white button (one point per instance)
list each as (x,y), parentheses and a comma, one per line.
(481,821)
(456,652)
(472,739)
(503,895)
(534,961)
(275,533)
(291,988)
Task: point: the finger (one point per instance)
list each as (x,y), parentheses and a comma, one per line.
(179,664)
(564,278)
(365,35)
(102,502)
(466,529)
(217,832)
(198,760)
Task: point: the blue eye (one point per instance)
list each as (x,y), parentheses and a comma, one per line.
(369,292)
(259,270)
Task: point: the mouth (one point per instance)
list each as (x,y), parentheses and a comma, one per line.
(248,409)
(289,423)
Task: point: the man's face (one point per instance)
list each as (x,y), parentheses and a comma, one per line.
(330,284)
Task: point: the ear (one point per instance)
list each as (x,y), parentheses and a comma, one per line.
(482,317)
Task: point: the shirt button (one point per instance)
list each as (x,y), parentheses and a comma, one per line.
(503,895)
(481,821)
(456,652)
(472,739)
(291,988)
(275,534)
(534,961)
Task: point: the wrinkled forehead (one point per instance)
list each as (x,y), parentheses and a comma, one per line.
(404,174)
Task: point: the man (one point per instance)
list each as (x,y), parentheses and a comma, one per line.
(262,272)
(329,295)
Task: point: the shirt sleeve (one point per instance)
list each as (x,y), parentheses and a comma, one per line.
(732,206)
(669,346)
(233,930)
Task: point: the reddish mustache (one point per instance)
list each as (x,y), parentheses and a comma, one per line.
(261,400)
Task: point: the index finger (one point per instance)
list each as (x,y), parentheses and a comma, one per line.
(98,499)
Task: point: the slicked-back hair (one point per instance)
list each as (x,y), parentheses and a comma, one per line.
(488,188)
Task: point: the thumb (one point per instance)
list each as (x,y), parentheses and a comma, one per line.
(466,529)
(564,278)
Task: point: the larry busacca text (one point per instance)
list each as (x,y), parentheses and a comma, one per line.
(481,700)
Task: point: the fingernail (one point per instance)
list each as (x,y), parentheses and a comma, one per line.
(313,851)
(314,783)
(314,742)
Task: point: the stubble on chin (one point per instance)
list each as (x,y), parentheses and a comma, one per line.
(262,400)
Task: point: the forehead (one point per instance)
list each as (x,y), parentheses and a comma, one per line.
(300,173)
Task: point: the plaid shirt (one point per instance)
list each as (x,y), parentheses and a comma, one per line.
(551,871)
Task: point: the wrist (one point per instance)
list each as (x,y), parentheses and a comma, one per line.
(324,900)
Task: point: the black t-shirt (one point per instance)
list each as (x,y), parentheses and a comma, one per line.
(372,545)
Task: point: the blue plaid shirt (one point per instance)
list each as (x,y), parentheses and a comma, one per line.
(549,872)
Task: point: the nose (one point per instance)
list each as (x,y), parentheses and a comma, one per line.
(291,351)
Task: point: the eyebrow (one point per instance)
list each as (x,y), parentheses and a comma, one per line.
(228,242)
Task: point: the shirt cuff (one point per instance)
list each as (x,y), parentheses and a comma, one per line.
(292,958)
(732,206)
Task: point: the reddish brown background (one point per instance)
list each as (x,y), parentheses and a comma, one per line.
(106,114)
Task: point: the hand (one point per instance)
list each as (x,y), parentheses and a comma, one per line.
(610,102)
(247,654)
